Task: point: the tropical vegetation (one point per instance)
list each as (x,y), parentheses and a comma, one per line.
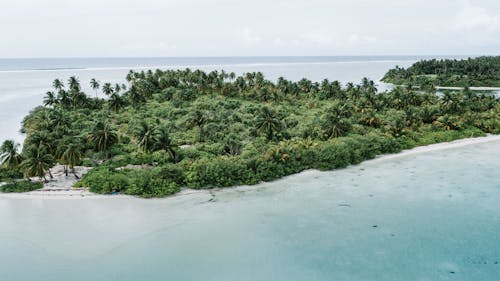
(170,129)
(472,72)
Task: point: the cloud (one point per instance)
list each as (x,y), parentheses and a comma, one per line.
(472,17)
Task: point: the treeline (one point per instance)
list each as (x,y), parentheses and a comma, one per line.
(169,129)
(480,71)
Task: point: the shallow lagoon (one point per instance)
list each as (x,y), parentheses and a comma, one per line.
(428,216)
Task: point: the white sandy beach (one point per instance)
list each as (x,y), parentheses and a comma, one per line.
(471,88)
(60,187)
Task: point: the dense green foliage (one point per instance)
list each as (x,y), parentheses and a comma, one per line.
(481,71)
(6,174)
(175,128)
(148,182)
(20,186)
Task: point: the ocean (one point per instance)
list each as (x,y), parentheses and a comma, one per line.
(427,216)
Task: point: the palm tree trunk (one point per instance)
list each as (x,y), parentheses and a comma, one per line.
(270,135)
(174,156)
(74,172)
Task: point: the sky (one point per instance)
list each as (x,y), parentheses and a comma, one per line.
(170,28)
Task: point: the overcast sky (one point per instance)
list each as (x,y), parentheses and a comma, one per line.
(103,28)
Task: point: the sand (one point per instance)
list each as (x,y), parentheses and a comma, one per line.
(60,186)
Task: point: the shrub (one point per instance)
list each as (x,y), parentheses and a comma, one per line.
(20,186)
(7,174)
(218,172)
(149,183)
(104,180)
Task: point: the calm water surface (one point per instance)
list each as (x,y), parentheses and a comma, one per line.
(431,216)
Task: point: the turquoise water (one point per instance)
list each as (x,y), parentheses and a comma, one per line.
(429,216)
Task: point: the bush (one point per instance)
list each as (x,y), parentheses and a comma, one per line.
(149,183)
(104,180)
(219,172)
(7,174)
(20,186)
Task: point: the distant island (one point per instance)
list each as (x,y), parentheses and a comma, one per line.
(426,74)
(165,130)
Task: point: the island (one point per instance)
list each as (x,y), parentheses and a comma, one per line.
(478,72)
(170,129)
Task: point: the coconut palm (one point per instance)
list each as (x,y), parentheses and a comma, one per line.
(74,84)
(9,155)
(58,84)
(95,85)
(232,145)
(135,96)
(49,99)
(64,98)
(147,136)
(198,118)
(268,122)
(71,156)
(103,137)
(78,98)
(118,88)
(107,89)
(116,102)
(165,142)
(335,121)
(36,162)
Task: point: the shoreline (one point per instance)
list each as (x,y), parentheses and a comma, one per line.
(83,193)
(479,88)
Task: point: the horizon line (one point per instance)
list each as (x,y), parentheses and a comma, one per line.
(246,56)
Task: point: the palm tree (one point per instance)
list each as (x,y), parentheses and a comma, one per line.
(103,137)
(198,118)
(267,121)
(78,98)
(107,89)
(449,102)
(74,84)
(58,84)
(118,88)
(37,162)
(95,85)
(64,98)
(71,156)
(135,96)
(50,99)
(59,120)
(9,155)
(116,102)
(165,142)
(334,121)
(147,136)
(232,145)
